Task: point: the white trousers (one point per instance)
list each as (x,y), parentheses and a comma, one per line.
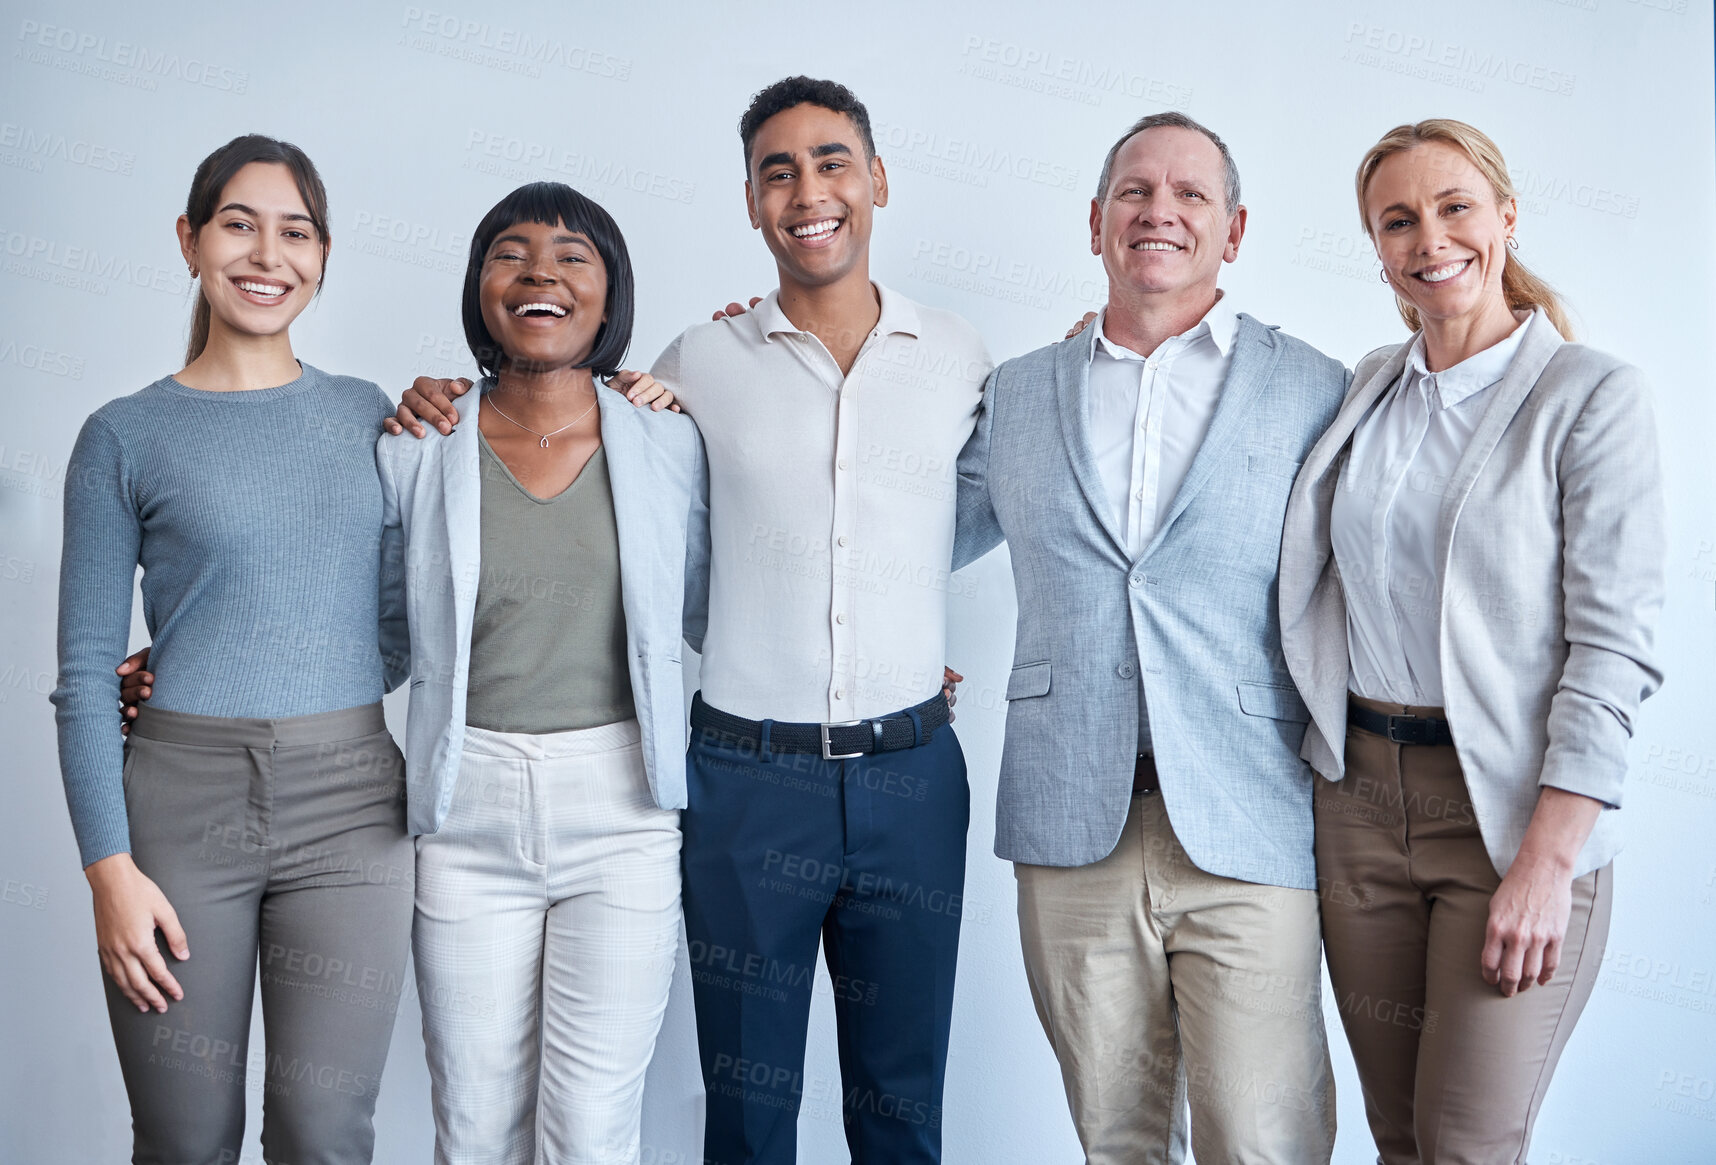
(546,930)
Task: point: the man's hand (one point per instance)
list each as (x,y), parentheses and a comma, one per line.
(1080,326)
(734,309)
(643,389)
(135,684)
(949,689)
(128,909)
(431,400)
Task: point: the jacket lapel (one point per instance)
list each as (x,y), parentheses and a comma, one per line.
(1254,357)
(462,493)
(629,481)
(1072,389)
(1360,398)
(1540,344)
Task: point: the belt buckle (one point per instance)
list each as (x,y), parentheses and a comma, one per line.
(826,746)
(1408,729)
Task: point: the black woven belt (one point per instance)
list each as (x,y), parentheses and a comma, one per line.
(890,733)
(1399,729)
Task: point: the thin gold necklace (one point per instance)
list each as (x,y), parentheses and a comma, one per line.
(543,437)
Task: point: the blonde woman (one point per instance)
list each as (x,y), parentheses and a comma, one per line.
(1470,579)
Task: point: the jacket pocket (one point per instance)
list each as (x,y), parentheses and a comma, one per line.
(1027,680)
(1274,701)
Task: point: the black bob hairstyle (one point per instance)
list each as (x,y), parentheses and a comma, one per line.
(553,204)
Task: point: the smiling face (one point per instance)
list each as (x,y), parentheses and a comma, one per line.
(1163,227)
(260,257)
(811,193)
(1440,232)
(544,292)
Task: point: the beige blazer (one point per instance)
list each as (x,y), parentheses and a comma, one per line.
(1552,543)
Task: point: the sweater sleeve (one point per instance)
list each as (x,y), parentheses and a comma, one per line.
(98,570)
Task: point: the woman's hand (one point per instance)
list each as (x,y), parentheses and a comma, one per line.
(1529,910)
(428,399)
(128,909)
(135,684)
(1528,920)
(643,389)
(1080,326)
(950,689)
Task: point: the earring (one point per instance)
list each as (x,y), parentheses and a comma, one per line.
(1512,243)
(193,270)
(1383,275)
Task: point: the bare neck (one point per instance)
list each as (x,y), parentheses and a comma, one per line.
(544,398)
(840,314)
(236,362)
(1448,342)
(1144,322)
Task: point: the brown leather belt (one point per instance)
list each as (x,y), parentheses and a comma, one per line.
(1144,775)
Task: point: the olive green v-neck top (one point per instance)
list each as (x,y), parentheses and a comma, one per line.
(548,642)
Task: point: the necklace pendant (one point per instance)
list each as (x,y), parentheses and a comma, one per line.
(545,442)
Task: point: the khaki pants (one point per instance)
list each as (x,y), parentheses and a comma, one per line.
(1453,1072)
(1159,984)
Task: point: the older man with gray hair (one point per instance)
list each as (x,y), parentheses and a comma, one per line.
(1151,794)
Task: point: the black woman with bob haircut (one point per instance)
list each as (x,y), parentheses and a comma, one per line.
(557,551)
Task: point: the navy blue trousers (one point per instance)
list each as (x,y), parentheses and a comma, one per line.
(866,856)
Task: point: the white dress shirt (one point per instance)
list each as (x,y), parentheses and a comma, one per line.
(1384,521)
(831,506)
(1149,415)
(1148,418)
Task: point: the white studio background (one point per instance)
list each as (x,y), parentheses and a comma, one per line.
(993,120)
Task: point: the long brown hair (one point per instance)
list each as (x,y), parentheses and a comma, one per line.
(1522,289)
(211,178)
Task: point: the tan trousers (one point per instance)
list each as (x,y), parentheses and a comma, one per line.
(1159,984)
(1453,1072)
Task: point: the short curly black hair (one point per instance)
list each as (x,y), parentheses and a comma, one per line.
(791,91)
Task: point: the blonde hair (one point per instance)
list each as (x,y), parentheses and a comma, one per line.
(1521,288)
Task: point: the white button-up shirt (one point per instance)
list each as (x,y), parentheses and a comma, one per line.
(1149,415)
(1386,510)
(1148,418)
(831,506)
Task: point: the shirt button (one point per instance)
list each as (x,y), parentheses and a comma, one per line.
(840,541)
(841,463)
(840,618)
(839,693)
(1125,671)
(1139,495)
(1151,364)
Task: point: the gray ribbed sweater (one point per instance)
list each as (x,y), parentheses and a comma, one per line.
(256,516)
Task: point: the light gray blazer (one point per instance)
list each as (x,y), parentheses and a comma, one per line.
(1552,542)
(432,514)
(1197,607)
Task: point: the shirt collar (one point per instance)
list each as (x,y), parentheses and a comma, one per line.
(1471,375)
(1220,323)
(899,314)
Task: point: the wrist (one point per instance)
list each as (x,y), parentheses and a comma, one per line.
(109,869)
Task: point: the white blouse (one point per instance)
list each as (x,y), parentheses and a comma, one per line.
(1386,509)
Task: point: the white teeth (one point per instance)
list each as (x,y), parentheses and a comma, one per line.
(1441,274)
(553,309)
(268,289)
(816,230)
(1157,247)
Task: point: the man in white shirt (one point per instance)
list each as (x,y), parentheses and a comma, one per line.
(833,416)
(1151,793)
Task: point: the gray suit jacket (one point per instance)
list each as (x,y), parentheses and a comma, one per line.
(432,516)
(1552,542)
(1197,609)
